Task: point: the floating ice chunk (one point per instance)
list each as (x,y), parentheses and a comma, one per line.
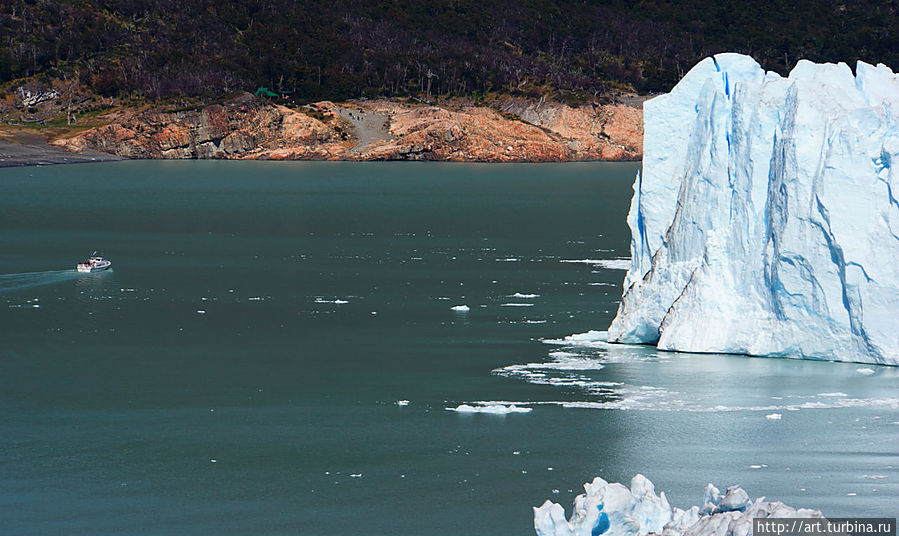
(201,312)
(523,296)
(460,308)
(866,371)
(734,500)
(591,339)
(773,416)
(494,409)
(711,498)
(614,510)
(608,264)
(516,305)
(402,402)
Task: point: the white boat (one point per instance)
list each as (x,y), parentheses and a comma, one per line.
(95,263)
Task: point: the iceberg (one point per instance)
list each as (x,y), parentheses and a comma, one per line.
(615,510)
(766,217)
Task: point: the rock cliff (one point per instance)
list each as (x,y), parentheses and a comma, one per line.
(247,128)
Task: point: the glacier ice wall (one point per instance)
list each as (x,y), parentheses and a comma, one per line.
(614,510)
(765,220)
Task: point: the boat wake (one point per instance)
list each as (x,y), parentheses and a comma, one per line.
(13,282)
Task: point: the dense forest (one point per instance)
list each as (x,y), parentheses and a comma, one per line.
(339,49)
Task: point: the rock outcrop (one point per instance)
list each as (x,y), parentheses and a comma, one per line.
(246,128)
(240,128)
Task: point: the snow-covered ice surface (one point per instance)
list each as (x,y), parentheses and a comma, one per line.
(765,220)
(615,510)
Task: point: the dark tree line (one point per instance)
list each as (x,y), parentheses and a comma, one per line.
(341,49)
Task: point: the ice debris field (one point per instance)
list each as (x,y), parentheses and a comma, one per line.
(766,218)
(615,510)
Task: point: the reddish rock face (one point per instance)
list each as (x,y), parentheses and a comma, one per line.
(245,128)
(240,128)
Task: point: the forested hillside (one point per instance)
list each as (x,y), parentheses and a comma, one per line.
(339,49)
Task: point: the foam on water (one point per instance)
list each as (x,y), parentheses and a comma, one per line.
(635,399)
(523,296)
(516,305)
(582,363)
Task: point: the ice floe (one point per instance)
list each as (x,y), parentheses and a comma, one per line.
(608,264)
(336,301)
(611,509)
(493,409)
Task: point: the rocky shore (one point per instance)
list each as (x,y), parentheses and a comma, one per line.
(245,127)
(24,147)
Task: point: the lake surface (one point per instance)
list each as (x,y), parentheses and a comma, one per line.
(238,370)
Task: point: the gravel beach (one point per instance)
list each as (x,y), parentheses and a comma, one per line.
(20,147)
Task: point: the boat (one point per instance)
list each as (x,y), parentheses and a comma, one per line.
(95,263)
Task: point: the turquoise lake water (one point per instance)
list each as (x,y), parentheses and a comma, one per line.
(239,368)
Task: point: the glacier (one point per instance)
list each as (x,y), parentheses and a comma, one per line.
(765,220)
(615,510)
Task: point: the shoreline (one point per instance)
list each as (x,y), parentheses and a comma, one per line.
(34,156)
(247,128)
(23,147)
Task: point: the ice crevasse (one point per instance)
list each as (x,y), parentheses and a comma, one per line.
(766,217)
